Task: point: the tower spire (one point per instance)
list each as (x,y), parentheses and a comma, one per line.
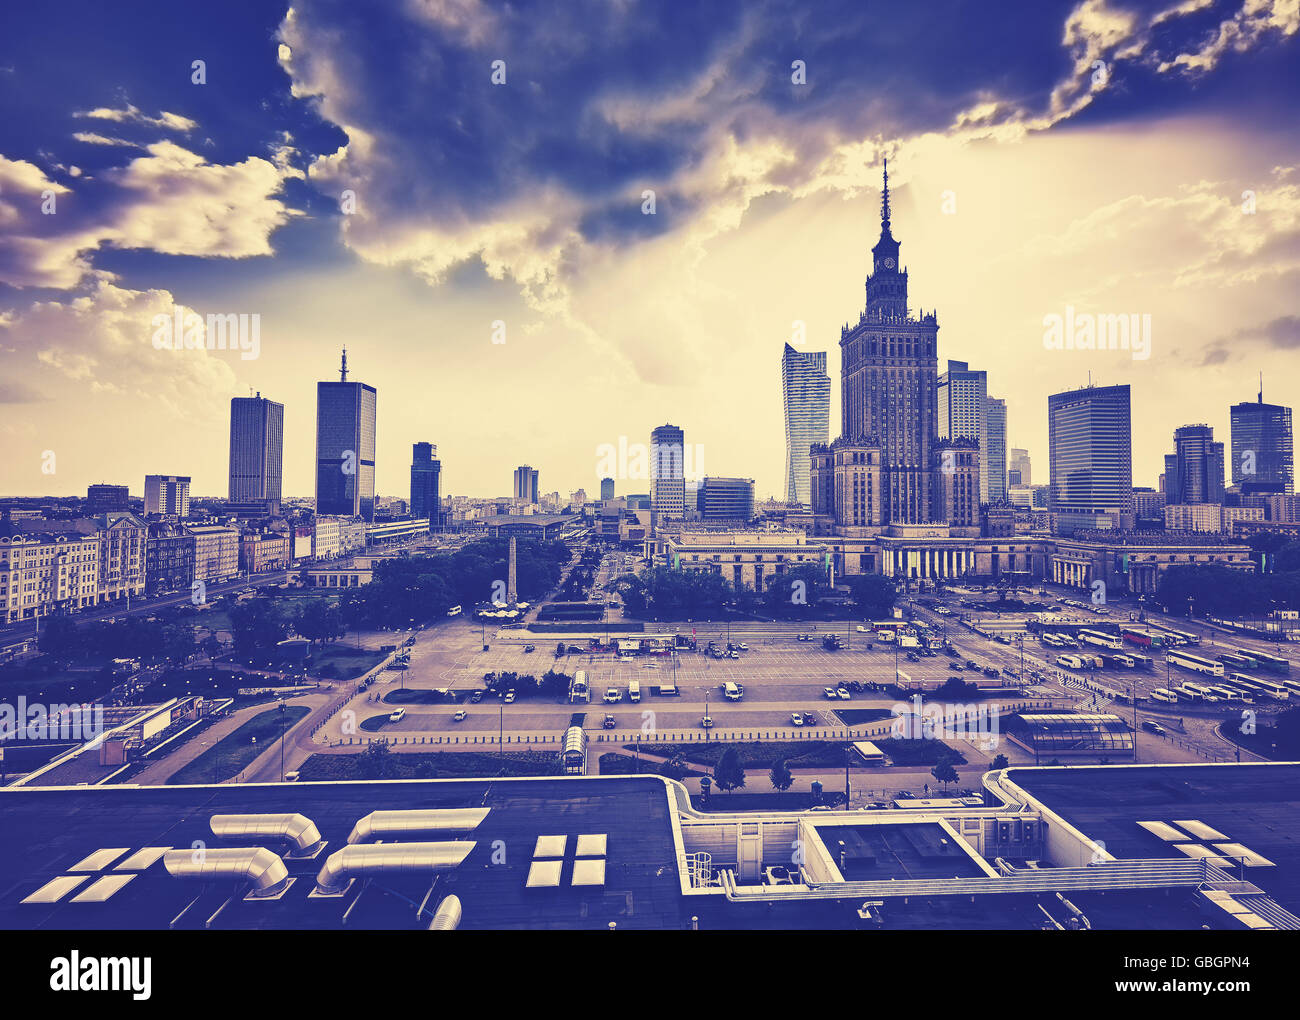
(884,198)
(343,371)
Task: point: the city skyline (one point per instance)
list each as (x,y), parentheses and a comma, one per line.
(1006,217)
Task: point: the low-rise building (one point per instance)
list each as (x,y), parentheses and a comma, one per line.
(263,551)
(169,558)
(216,552)
(46,571)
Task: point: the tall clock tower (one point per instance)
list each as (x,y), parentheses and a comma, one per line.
(889,380)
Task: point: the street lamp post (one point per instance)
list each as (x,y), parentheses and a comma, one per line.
(283,709)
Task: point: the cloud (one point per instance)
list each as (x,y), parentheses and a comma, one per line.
(131,115)
(168,200)
(1279,334)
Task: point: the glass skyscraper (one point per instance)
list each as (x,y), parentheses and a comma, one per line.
(963,412)
(996,416)
(667,473)
(1090,454)
(806,392)
(425,498)
(1262,445)
(345,447)
(1194,471)
(256,450)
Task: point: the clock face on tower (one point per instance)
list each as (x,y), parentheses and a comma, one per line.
(889,263)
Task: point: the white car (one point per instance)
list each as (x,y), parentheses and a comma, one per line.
(843,694)
(612,695)
(863,630)
(830,692)
(796,719)
(460,716)
(509,698)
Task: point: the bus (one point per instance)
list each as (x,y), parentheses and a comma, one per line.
(1186,660)
(1204,692)
(574,755)
(1052,639)
(1182,637)
(1141,661)
(1273,690)
(1100,639)
(579,687)
(1161,694)
(1237,661)
(1142,638)
(1070,661)
(1268,663)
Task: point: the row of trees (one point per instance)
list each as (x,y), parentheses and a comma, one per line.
(423,588)
(799,593)
(1221,591)
(131,638)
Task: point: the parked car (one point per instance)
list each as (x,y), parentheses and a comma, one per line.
(608,722)
(707,722)
(843,694)
(809,719)
(612,695)
(460,716)
(510,697)
(796,719)
(476,697)
(530,648)
(830,692)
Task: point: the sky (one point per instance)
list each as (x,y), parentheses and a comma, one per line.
(541,230)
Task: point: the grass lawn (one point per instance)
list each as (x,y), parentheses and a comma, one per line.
(858,716)
(919,752)
(756,754)
(236,751)
(348,662)
(432,765)
(615,764)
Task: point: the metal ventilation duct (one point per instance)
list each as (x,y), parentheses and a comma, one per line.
(299,830)
(447,916)
(387,859)
(258,865)
(388,824)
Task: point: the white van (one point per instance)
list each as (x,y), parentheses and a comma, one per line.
(634,691)
(397,716)
(885,635)
(731,691)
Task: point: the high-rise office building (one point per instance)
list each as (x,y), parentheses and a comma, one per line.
(1194,471)
(963,406)
(806,393)
(256,451)
(667,473)
(996,417)
(107,499)
(1090,458)
(426,500)
(725,498)
(1262,444)
(168,495)
(956,481)
(890,379)
(1020,465)
(607,488)
(345,447)
(526,481)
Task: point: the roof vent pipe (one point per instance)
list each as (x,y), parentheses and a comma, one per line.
(257,865)
(447,917)
(298,830)
(392,824)
(386,859)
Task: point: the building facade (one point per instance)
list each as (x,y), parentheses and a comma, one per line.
(122,556)
(426,471)
(963,412)
(996,417)
(606,488)
(216,552)
(1194,471)
(889,381)
(167,495)
(256,451)
(44,572)
(260,552)
(526,484)
(1090,458)
(726,499)
(345,447)
(169,558)
(668,473)
(957,481)
(107,499)
(1262,444)
(806,396)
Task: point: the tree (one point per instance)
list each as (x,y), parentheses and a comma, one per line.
(376,761)
(780,776)
(60,638)
(728,773)
(1000,762)
(945,773)
(873,594)
(674,768)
